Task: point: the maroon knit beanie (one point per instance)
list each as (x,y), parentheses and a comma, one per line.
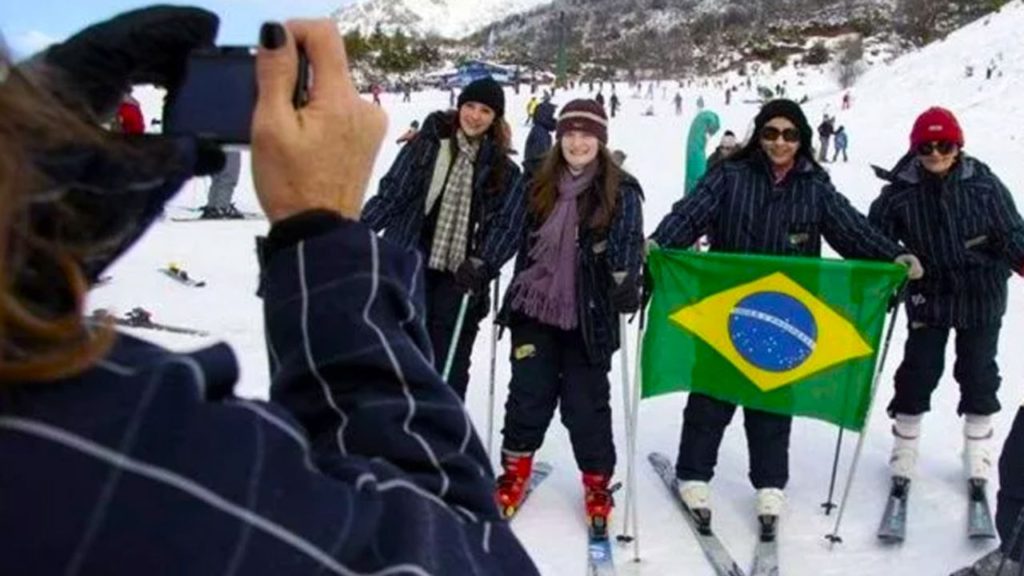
(584,115)
(936,125)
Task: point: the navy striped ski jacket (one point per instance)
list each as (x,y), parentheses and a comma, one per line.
(617,249)
(967,233)
(364,462)
(740,208)
(398,209)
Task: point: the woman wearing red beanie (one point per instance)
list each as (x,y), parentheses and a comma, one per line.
(950,210)
(577,225)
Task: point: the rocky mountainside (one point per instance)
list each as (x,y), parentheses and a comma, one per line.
(701,36)
(446,18)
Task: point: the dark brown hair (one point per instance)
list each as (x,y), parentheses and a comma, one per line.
(598,209)
(39,341)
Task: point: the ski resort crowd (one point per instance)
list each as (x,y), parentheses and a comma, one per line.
(120,457)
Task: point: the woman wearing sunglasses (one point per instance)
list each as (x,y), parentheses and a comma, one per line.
(955,213)
(770,198)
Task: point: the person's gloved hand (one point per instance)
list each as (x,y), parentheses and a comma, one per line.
(625,293)
(472,275)
(95,68)
(102,193)
(914,269)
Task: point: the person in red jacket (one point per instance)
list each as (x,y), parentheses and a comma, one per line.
(129,118)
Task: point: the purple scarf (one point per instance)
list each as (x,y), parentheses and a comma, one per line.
(546,291)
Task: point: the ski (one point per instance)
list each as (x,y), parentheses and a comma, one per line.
(246,217)
(979,514)
(541,470)
(720,558)
(178,274)
(766,553)
(894,520)
(240,215)
(599,549)
(141,318)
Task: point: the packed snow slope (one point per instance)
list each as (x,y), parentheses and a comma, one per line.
(885,103)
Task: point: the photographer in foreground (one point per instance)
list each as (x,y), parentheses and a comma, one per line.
(119,457)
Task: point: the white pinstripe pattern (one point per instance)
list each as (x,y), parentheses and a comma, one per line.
(300,254)
(397,367)
(99,512)
(188,486)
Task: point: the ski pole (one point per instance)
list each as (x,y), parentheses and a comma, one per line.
(455,337)
(829,505)
(627,412)
(635,424)
(494,363)
(834,538)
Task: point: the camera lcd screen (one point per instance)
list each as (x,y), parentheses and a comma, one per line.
(217,99)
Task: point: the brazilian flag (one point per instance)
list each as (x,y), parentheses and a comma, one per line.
(796,336)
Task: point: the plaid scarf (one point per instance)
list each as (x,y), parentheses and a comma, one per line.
(452,232)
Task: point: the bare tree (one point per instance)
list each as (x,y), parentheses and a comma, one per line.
(919,19)
(850,65)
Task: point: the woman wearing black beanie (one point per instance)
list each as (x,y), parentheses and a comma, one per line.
(770,198)
(439,197)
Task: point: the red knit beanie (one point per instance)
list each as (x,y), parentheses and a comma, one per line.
(585,115)
(936,125)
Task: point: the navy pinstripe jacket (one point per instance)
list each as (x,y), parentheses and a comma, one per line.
(967,233)
(398,208)
(617,249)
(365,461)
(740,208)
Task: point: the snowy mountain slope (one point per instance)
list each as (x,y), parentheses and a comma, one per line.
(448,18)
(886,102)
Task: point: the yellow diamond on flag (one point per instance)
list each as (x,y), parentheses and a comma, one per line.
(773,331)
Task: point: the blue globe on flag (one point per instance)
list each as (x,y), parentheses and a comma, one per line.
(773,331)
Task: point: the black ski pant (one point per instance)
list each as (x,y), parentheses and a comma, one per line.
(704,422)
(550,368)
(924,361)
(443,302)
(1010,503)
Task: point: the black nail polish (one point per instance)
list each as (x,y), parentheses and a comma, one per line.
(272,35)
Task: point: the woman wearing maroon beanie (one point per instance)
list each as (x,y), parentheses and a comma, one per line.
(577,226)
(950,210)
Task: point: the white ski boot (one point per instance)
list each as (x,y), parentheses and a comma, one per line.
(695,494)
(978,435)
(906,432)
(770,502)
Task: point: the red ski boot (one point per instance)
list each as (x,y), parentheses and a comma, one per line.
(598,501)
(512,483)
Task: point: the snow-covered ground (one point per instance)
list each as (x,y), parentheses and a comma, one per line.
(886,101)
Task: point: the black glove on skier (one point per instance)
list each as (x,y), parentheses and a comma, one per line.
(102,193)
(472,275)
(96,67)
(626,295)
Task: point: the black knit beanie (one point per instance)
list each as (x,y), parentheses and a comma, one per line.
(790,111)
(485,91)
(775,109)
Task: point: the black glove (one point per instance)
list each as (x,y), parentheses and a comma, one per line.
(648,286)
(96,67)
(472,275)
(102,195)
(626,296)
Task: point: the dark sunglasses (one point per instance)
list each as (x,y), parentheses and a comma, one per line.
(944,147)
(771,134)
